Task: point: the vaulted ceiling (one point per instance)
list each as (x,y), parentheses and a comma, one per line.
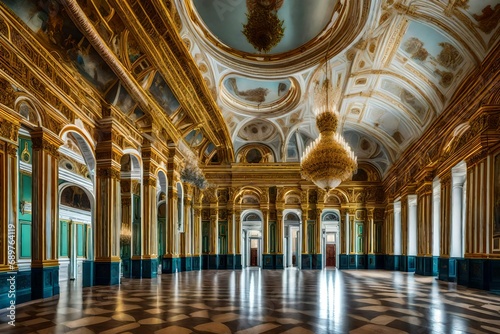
(394,66)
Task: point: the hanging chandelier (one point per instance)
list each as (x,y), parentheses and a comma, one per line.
(264,30)
(329,160)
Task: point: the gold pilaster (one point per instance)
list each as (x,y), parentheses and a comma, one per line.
(230,231)
(265,231)
(171,226)
(369,233)
(317,231)
(279,230)
(445,214)
(389,229)
(45,199)
(237,243)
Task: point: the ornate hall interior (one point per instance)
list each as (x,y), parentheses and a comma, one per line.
(168,145)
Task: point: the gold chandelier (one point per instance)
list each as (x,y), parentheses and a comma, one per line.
(328,160)
(264,30)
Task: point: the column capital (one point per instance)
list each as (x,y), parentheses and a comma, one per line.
(43,140)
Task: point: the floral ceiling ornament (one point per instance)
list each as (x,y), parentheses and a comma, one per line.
(264,30)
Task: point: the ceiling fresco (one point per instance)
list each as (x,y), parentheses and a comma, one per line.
(394,66)
(389,84)
(225,21)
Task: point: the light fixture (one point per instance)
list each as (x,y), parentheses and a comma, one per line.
(264,30)
(328,160)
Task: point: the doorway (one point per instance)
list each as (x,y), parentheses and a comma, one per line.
(331,251)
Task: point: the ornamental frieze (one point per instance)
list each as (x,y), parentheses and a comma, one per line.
(43,144)
(8,130)
(7,93)
(108,173)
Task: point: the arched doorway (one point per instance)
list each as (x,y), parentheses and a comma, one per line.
(251,238)
(130,228)
(77,205)
(75,216)
(292,233)
(330,238)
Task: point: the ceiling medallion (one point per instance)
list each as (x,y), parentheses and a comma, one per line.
(264,30)
(328,160)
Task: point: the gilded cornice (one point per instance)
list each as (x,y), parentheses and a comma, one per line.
(148,104)
(150,22)
(35,70)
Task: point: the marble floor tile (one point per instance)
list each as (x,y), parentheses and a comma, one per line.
(264,301)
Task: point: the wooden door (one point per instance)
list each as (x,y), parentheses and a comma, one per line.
(331,252)
(253,257)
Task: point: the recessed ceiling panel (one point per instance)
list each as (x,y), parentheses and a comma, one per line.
(302,21)
(433,53)
(257,92)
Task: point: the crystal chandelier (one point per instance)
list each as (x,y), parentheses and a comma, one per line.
(328,160)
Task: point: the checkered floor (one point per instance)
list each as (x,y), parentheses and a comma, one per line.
(264,301)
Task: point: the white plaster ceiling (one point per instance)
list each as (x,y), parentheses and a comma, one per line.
(391,80)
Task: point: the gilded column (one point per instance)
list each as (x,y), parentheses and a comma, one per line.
(237,241)
(214,236)
(425,263)
(196,262)
(149,225)
(389,229)
(369,233)
(230,238)
(424,219)
(169,259)
(44,262)
(265,231)
(478,221)
(9,207)
(108,213)
(445,214)
(318,257)
(188,196)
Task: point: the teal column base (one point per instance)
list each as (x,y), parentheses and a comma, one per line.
(375,261)
(196,262)
(317,261)
(306,261)
(107,273)
(213,261)
(267,261)
(447,269)
(136,268)
(357,261)
(426,265)
(391,262)
(126,267)
(15,288)
(278,263)
(170,265)
(149,268)
(237,261)
(230,261)
(88,273)
(408,263)
(204,262)
(343,261)
(44,282)
(222,261)
(189,263)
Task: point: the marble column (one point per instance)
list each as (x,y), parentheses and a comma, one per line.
(45,209)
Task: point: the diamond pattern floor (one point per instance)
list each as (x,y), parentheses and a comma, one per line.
(264,301)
